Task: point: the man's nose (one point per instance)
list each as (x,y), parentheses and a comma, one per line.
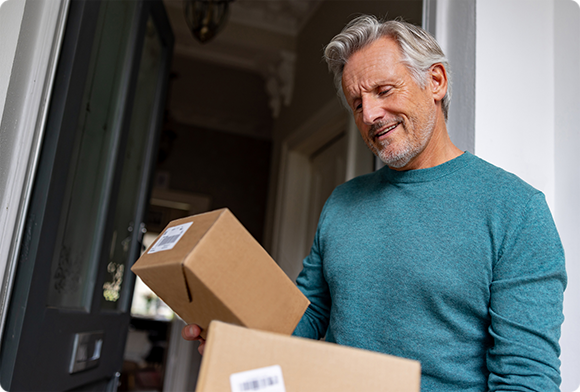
(372,110)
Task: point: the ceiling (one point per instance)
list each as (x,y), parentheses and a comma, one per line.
(260,39)
(257,36)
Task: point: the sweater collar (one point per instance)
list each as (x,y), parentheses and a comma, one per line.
(430,174)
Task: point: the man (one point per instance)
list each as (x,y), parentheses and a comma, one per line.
(439,256)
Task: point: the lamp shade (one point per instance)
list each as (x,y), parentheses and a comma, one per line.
(205,18)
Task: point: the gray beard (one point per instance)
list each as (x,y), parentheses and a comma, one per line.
(399,159)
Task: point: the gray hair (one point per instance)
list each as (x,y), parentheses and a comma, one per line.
(419,50)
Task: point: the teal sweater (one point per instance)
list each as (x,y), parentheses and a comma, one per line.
(458,266)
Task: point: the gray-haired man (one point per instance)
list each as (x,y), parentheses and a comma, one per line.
(439,256)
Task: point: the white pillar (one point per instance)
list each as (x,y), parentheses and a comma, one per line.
(567,176)
(527,116)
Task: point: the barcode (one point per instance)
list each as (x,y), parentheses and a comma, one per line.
(266,379)
(257,384)
(168,240)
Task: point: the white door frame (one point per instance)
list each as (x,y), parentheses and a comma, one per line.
(289,245)
(23,112)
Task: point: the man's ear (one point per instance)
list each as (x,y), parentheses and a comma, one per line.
(438,81)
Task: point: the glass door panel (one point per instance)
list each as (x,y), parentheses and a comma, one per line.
(92,161)
(126,229)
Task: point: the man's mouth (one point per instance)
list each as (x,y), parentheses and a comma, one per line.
(385,130)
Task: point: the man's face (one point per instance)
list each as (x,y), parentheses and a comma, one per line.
(395,116)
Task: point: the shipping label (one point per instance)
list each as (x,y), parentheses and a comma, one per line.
(267,379)
(170,238)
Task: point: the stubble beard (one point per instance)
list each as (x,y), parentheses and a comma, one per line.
(414,144)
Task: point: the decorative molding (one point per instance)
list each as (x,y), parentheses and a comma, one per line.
(279,79)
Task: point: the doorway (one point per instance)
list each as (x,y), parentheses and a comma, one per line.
(324,152)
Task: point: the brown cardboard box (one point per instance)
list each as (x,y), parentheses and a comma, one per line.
(208,267)
(294,364)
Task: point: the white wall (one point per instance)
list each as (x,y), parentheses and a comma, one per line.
(526,121)
(515,89)
(567,176)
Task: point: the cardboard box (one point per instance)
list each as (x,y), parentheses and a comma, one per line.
(208,267)
(238,359)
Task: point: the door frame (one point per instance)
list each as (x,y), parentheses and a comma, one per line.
(289,246)
(28,97)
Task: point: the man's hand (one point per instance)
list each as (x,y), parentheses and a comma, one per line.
(191,332)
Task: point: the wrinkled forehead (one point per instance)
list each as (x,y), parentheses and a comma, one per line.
(383,54)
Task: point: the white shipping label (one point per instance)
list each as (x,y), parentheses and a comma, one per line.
(267,379)
(170,238)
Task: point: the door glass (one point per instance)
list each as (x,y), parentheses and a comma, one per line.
(133,168)
(77,251)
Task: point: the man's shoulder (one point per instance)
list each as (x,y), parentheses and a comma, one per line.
(498,180)
(359,185)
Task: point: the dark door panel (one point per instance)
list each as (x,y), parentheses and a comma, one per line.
(69,311)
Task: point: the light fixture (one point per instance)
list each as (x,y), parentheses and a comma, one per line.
(205,18)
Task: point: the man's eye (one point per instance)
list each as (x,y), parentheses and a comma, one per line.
(383,92)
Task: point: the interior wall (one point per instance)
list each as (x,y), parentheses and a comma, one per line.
(216,140)
(219,97)
(567,172)
(232,170)
(527,84)
(313,83)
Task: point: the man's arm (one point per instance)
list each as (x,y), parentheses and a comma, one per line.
(313,285)
(526,304)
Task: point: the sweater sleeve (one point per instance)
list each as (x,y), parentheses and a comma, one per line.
(526,304)
(313,285)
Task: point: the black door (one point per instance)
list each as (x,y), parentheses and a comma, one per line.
(69,311)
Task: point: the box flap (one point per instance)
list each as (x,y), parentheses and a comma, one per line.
(247,277)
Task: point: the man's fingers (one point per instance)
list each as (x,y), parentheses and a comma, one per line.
(191,332)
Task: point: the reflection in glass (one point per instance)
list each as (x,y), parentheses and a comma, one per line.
(92,162)
(133,167)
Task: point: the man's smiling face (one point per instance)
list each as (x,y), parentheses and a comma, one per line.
(395,116)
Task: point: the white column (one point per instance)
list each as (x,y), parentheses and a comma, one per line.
(515,89)
(567,176)
(527,116)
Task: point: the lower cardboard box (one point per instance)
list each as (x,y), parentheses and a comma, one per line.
(238,359)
